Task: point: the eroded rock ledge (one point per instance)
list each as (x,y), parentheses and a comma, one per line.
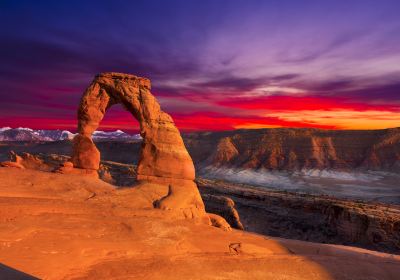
(306,217)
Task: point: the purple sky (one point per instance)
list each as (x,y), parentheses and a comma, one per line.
(213,64)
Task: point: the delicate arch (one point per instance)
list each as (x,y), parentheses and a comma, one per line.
(163,155)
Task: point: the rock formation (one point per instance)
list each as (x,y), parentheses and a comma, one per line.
(296,216)
(25,160)
(306,217)
(163,159)
(297,149)
(61,226)
(223,206)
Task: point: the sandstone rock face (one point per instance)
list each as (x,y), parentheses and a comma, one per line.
(59,226)
(25,160)
(297,149)
(11,164)
(163,153)
(225,207)
(219,222)
(85,153)
(163,157)
(305,217)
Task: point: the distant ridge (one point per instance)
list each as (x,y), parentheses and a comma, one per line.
(28,134)
(296,149)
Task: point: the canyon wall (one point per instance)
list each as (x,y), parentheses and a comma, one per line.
(296,148)
(274,149)
(305,217)
(275,213)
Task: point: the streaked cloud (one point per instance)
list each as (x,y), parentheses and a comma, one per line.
(344,119)
(213,64)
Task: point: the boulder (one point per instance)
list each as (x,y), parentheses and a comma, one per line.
(219,222)
(85,154)
(26,161)
(225,207)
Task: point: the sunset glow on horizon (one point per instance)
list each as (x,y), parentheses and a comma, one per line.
(214,65)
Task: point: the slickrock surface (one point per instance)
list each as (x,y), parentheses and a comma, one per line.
(306,217)
(282,214)
(163,158)
(64,226)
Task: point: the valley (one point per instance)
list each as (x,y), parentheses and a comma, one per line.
(358,165)
(264,209)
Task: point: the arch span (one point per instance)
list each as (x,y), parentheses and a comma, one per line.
(163,154)
(165,167)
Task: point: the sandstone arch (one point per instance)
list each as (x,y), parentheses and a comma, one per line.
(163,160)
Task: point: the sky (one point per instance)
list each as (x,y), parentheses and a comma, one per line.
(214,64)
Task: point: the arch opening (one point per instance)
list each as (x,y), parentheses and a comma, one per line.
(165,170)
(163,156)
(119,156)
(117,117)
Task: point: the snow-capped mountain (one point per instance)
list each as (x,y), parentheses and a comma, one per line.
(28,134)
(55,135)
(114,135)
(4,129)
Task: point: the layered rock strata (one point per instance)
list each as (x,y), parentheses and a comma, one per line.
(306,217)
(297,149)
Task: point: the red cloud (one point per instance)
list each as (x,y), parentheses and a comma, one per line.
(214,121)
(294,103)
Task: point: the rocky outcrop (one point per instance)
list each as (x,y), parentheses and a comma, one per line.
(26,160)
(85,154)
(296,149)
(163,155)
(223,206)
(219,222)
(281,214)
(11,164)
(311,218)
(273,149)
(59,226)
(163,158)
(165,169)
